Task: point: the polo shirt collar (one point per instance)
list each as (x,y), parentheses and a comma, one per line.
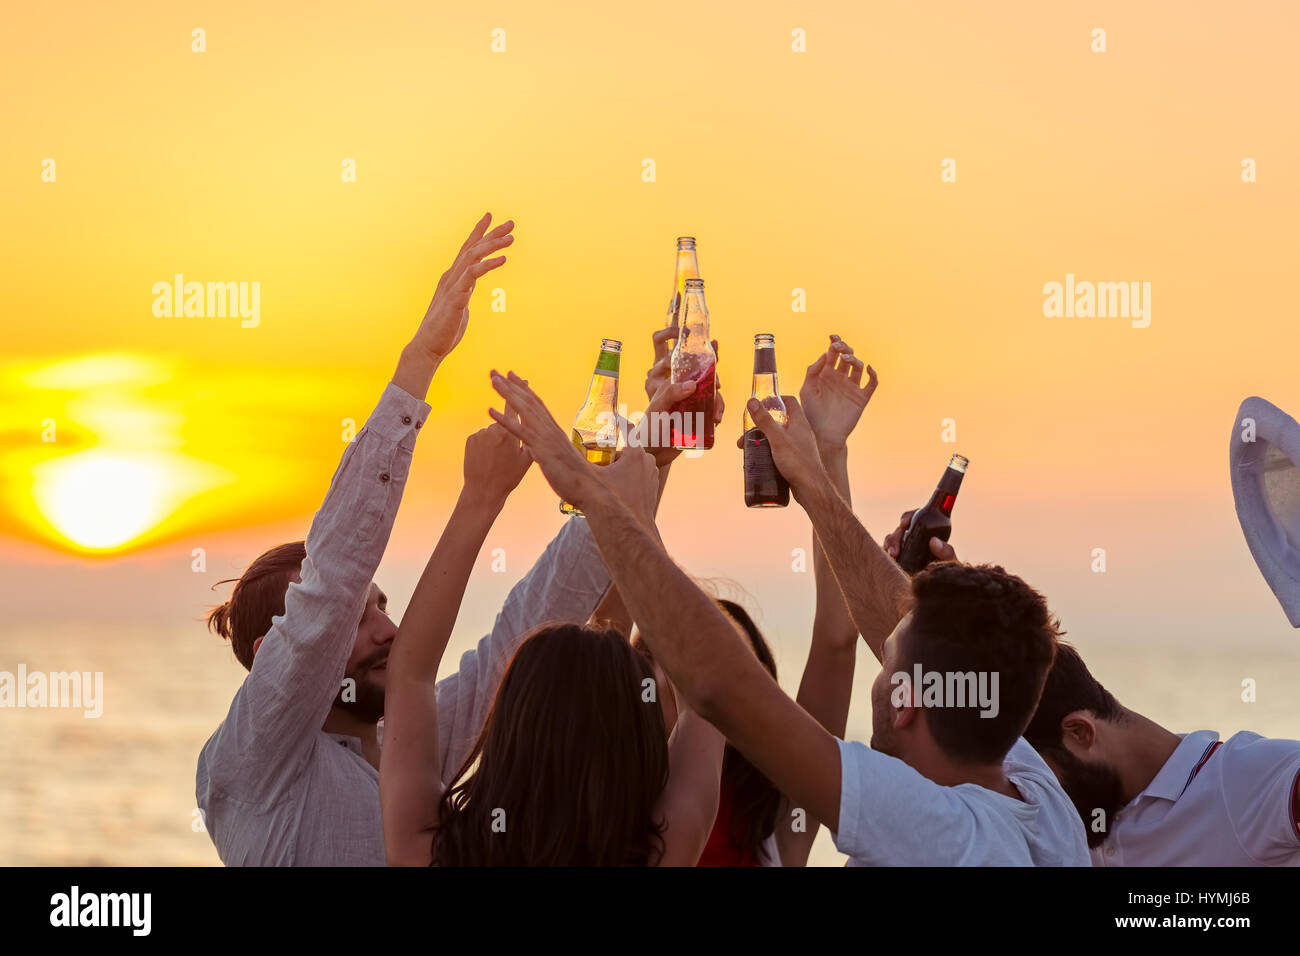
(1174,776)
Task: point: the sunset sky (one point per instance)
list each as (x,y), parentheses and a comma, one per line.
(818,170)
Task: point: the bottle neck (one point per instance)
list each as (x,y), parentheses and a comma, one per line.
(945,495)
(695,320)
(607,363)
(765,383)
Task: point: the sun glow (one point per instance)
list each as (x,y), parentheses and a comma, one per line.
(100,500)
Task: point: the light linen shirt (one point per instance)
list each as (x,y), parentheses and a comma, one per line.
(1226,805)
(892,815)
(277,790)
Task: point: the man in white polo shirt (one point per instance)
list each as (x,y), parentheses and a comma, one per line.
(1150,797)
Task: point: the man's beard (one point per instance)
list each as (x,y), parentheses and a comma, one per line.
(1092,786)
(369,703)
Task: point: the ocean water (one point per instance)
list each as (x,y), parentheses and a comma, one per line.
(119,789)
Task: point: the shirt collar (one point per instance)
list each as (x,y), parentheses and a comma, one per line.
(1176,773)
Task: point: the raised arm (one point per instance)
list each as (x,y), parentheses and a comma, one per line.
(833,398)
(299,663)
(410,782)
(877,591)
(568,583)
(709,662)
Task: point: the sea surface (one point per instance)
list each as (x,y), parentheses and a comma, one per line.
(119,790)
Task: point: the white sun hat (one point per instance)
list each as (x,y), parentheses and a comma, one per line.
(1263,457)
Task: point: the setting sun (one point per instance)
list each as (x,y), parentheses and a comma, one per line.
(100,500)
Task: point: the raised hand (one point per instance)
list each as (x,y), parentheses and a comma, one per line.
(634,477)
(495,463)
(941,549)
(527,418)
(444,323)
(833,395)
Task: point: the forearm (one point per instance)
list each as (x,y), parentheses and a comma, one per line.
(612,611)
(409,779)
(833,627)
(689,634)
(826,687)
(876,591)
(415,369)
(431,616)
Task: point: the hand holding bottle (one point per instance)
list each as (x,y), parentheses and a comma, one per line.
(941,549)
(794,445)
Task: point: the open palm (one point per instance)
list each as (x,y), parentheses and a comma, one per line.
(833,395)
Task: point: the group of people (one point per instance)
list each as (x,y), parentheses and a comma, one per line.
(617,714)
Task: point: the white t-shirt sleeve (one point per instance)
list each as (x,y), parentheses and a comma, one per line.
(890,815)
(1259,777)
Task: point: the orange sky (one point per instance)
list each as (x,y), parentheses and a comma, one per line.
(816,170)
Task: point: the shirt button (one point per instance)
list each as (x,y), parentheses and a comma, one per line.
(383,476)
(418,424)
(1110,850)
(406,419)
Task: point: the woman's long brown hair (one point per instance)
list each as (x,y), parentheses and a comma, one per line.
(570,763)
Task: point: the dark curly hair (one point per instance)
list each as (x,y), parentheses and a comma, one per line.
(980,619)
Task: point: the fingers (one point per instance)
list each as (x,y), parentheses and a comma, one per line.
(714,343)
(854,366)
(475,234)
(872,381)
(795,411)
(511,425)
(478,269)
(816,366)
(488,246)
(894,540)
(942,550)
(661,339)
(477,246)
(669,394)
(762,417)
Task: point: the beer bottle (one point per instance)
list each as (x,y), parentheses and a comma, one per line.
(693,360)
(595,430)
(688,267)
(932,521)
(765,486)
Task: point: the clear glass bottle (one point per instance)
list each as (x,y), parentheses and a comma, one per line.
(693,360)
(688,267)
(765,486)
(595,429)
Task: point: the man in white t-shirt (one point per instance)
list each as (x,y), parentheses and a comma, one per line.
(1150,797)
(946,782)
